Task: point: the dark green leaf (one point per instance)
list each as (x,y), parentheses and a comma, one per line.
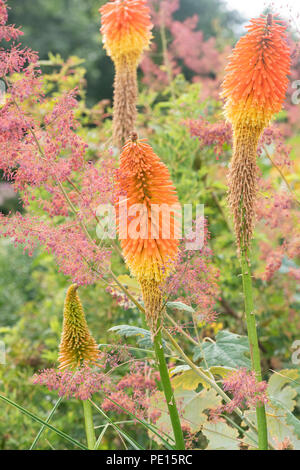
(180,306)
(143,337)
(229,350)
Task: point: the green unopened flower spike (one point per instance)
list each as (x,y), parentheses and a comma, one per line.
(77,344)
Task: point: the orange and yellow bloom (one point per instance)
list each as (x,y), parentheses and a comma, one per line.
(254,89)
(145,184)
(126,31)
(256,81)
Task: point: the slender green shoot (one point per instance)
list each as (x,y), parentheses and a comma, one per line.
(89,424)
(254,347)
(168,391)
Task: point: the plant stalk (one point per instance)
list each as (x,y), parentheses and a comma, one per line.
(254,347)
(168,391)
(89,424)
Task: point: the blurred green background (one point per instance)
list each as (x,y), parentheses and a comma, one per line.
(71,27)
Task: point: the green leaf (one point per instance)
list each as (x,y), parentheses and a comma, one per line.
(282,424)
(41,421)
(279,430)
(278,427)
(99,440)
(229,350)
(221,436)
(188,379)
(180,306)
(191,407)
(219,371)
(127,331)
(278,390)
(195,404)
(294,422)
(283,396)
(290,419)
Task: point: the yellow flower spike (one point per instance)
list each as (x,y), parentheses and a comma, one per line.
(254,89)
(126,31)
(77,344)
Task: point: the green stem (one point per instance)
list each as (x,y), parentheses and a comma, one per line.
(254,347)
(168,391)
(89,424)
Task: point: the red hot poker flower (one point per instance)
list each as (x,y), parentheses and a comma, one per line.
(254,89)
(126,31)
(150,247)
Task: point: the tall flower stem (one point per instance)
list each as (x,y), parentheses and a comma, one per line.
(89,424)
(168,391)
(254,89)
(254,347)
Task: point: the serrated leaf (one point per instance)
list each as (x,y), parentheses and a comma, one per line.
(280,378)
(281,422)
(194,406)
(229,350)
(191,406)
(143,336)
(221,436)
(279,391)
(278,428)
(221,371)
(290,419)
(294,422)
(189,380)
(180,306)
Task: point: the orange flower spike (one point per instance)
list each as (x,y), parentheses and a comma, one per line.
(254,89)
(126,31)
(256,81)
(145,180)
